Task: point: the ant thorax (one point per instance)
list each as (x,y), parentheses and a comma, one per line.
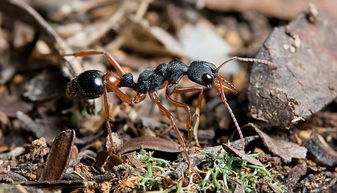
(152,79)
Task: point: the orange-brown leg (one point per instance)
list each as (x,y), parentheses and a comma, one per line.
(197,120)
(106,113)
(172,89)
(107,56)
(176,109)
(111,81)
(155,98)
(139,97)
(223,97)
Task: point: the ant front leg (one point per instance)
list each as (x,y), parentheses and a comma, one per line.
(172,89)
(224,100)
(107,56)
(155,98)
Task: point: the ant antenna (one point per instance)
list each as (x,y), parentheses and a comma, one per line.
(252,60)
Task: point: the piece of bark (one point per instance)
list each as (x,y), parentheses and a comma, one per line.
(305,80)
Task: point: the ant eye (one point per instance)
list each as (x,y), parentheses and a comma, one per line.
(207,78)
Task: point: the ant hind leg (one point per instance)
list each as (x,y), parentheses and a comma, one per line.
(107,56)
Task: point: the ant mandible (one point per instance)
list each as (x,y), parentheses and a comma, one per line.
(93,84)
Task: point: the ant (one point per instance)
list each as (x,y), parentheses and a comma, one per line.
(93,84)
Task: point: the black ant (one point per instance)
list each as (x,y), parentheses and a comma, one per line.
(92,84)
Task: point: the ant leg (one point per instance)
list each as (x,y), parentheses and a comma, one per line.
(171,89)
(107,56)
(223,98)
(169,92)
(197,120)
(111,81)
(225,84)
(106,113)
(139,97)
(155,98)
(176,109)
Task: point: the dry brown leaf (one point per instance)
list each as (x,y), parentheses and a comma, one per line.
(242,155)
(59,156)
(286,150)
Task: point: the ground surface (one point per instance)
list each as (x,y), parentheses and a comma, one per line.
(51,142)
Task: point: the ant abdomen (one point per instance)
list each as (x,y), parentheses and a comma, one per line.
(87,85)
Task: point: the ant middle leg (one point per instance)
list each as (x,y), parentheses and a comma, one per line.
(107,56)
(176,109)
(155,98)
(172,89)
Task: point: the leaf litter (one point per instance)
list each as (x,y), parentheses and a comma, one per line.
(145,155)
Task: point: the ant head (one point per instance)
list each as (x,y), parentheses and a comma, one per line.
(202,72)
(87,85)
(206,74)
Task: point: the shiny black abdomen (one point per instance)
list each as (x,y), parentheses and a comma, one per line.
(87,85)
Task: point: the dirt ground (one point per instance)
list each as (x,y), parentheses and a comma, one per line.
(53,138)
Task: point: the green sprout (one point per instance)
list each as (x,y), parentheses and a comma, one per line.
(225,172)
(151,164)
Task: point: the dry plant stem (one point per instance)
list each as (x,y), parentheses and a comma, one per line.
(142,9)
(223,97)
(120,40)
(95,31)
